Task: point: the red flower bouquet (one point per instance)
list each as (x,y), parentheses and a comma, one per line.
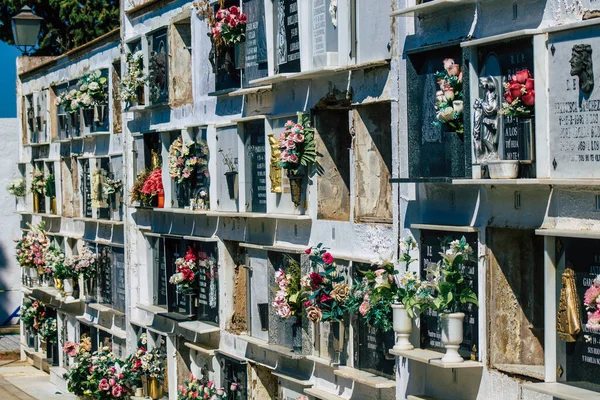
(153,186)
(229,27)
(187,271)
(328,292)
(519,94)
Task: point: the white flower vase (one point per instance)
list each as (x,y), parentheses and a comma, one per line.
(33,277)
(402,326)
(68,285)
(139,392)
(452,336)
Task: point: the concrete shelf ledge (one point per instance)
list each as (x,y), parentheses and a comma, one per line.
(431,7)
(322,394)
(365,378)
(269,79)
(561,391)
(200,348)
(151,308)
(533,371)
(105,308)
(451,228)
(322,361)
(433,358)
(283,351)
(292,378)
(420,397)
(199,327)
(229,214)
(520,182)
(99,221)
(572,233)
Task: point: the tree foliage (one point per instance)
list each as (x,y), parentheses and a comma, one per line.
(67,23)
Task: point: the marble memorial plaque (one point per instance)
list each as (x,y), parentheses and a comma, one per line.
(574,104)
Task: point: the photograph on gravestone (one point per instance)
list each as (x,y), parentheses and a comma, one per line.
(574,103)
(582,356)
(432,244)
(436,149)
(256,66)
(256,175)
(288,36)
(118,258)
(371,344)
(510,66)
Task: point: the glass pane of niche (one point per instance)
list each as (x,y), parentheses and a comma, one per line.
(287,36)
(514,135)
(371,345)
(256,173)
(283,332)
(159,67)
(227,61)
(118,259)
(578,353)
(432,244)
(436,150)
(234,371)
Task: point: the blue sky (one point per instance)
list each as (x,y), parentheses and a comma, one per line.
(8,79)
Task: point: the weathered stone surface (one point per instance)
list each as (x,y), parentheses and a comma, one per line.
(116,104)
(373,163)
(262,384)
(333,146)
(180,62)
(516,303)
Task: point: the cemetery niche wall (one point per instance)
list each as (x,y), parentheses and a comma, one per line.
(574,103)
(438,143)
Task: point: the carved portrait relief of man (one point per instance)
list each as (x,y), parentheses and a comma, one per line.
(582,66)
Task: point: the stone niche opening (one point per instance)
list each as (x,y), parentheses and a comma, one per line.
(516,301)
(373,163)
(70,189)
(239,317)
(262,384)
(334,144)
(433,151)
(180,77)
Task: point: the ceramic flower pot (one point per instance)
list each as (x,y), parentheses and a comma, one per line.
(139,392)
(452,336)
(74,120)
(402,324)
(62,121)
(155,389)
(88,116)
(296,188)
(68,285)
(161,200)
(232,184)
(503,169)
(139,94)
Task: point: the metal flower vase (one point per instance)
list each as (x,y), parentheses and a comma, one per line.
(232,184)
(100,114)
(296,185)
(88,116)
(155,389)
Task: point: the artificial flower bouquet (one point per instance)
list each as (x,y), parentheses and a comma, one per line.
(112,186)
(451,290)
(33,315)
(85,263)
(17,187)
(186,161)
(153,362)
(136,191)
(297,144)
(93,89)
(449,98)
(50,186)
(327,291)
(70,100)
(56,264)
(591,301)
(193,388)
(519,95)
(186,273)
(135,78)
(229,27)
(38,182)
(48,330)
(290,295)
(153,186)
(31,249)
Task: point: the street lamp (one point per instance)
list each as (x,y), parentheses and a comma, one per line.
(26,29)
